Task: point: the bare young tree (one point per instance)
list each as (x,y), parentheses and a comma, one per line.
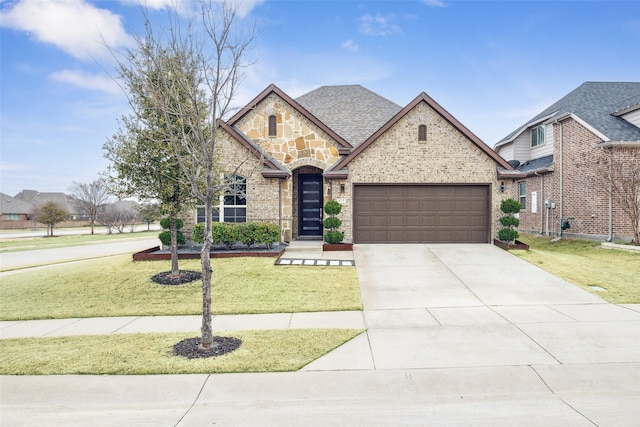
(197,70)
(90,198)
(622,178)
(119,217)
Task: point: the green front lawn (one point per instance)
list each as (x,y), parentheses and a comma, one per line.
(42,242)
(151,354)
(585,264)
(119,287)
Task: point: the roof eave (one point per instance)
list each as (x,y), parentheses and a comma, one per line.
(510,174)
(275,173)
(336,174)
(620,144)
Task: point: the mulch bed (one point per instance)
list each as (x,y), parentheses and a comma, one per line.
(184,276)
(190,347)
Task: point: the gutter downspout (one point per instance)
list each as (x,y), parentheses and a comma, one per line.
(280,182)
(610,238)
(561,172)
(541,198)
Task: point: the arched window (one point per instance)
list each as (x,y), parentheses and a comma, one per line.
(273,128)
(422,133)
(232,206)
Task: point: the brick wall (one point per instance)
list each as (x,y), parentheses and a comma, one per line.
(446,157)
(585,194)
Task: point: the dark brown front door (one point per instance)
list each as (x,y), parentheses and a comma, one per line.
(310,205)
(421,214)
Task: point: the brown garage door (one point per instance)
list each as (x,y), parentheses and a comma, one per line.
(421,214)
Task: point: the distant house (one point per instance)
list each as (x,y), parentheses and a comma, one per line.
(15,213)
(19,211)
(401,174)
(563,153)
(36,198)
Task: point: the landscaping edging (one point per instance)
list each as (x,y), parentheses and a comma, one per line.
(329,247)
(506,246)
(155,254)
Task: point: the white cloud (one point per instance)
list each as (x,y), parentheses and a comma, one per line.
(378,25)
(350,45)
(243,7)
(436,3)
(12,167)
(85,80)
(75,26)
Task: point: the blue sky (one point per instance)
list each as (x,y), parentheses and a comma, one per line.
(492,64)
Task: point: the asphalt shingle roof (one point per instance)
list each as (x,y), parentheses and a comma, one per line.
(352,111)
(539,163)
(594,102)
(11,205)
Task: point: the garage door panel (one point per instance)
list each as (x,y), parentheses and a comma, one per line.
(421,213)
(396,220)
(413,221)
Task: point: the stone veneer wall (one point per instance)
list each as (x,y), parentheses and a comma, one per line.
(297,144)
(446,157)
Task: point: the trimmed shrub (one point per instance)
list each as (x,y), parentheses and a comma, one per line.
(165,223)
(165,238)
(509,207)
(333,208)
(246,233)
(267,234)
(224,233)
(333,237)
(509,221)
(198,233)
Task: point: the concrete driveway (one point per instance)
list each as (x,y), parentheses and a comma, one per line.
(439,306)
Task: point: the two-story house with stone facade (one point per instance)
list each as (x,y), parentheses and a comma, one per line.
(571,155)
(402,174)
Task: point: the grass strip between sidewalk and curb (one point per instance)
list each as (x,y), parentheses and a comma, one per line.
(585,264)
(117,286)
(151,354)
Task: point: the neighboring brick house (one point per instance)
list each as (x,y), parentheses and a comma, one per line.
(564,153)
(18,211)
(15,213)
(412,174)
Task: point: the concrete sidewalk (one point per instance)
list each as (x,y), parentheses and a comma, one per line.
(456,335)
(220,323)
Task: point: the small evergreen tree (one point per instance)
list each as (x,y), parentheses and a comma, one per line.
(508,233)
(333,208)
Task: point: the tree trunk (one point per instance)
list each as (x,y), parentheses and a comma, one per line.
(207,272)
(175,267)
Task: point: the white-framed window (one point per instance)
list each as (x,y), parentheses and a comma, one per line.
(537,136)
(12,217)
(522,194)
(232,205)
